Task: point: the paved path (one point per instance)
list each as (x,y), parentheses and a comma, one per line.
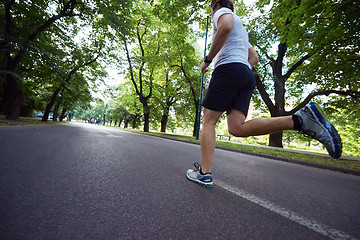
(80,181)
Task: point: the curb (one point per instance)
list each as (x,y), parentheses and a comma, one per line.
(273,157)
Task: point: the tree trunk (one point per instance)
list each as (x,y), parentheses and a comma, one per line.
(164,120)
(55,114)
(275,139)
(62,115)
(133,124)
(126,121)
(11,101)
(165,116)
(146,115)
(50,105)
(14,109)
(146,122)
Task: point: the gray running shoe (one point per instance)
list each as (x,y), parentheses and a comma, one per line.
(195,176)
(316,125)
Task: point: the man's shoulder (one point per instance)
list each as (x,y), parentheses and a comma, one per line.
(220,12)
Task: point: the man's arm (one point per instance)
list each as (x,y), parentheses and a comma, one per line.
(253,58)
(225,26)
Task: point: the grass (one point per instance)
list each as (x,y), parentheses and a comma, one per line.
(344,163)
(26,121)
(308,157)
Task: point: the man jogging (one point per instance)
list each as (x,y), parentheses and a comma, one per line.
(230,90)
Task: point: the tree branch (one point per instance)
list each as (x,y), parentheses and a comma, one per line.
(8,24)
(350,93)
(72,72)
(8,7)
(263,51)
(264,95)
(189,81)
(151,74)
(67,11)
(296,65)
(130,66)
(282,48)
(140,38)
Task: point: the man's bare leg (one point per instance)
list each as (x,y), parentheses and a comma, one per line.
(257,126)
(208,138)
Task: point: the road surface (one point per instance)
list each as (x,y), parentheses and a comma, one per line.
(81,181)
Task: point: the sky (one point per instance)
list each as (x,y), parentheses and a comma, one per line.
(249,2)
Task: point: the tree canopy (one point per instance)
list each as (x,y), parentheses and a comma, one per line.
(317,53)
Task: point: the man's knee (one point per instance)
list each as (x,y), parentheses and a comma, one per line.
(238,131)
(236,119)
(210,117)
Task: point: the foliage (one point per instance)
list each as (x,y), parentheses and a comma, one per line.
(316,55)
(39,42)
(344,112)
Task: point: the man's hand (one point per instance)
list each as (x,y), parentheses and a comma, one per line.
(204,67)
(253,58)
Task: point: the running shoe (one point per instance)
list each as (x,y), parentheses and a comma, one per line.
(195,176)
(316,125)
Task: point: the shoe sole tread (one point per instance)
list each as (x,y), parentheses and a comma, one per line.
(330,129)
(208,185)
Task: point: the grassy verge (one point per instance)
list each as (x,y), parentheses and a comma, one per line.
(26,121)
(325,160)
(344,163)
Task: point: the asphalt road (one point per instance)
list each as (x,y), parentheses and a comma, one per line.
(80,181)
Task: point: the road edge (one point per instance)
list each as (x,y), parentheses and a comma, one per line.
(269,156)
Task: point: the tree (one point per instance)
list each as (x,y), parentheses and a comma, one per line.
(18,35)
(193,80)
(81,62)
(306,32)
(140,70)
(27,23)
(170,96)
(154,33)
(141,84)
(181,15)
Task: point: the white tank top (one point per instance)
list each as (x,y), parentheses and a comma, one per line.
(236,48)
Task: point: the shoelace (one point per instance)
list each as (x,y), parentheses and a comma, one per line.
(309,134)
(197,166)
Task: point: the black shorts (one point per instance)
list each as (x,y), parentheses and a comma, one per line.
(231,87)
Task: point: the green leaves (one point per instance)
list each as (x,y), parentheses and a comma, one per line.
(305,45)
(44,41)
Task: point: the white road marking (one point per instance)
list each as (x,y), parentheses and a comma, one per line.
(309,223)
(109,134)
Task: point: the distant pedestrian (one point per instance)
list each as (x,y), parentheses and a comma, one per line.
(230,90)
